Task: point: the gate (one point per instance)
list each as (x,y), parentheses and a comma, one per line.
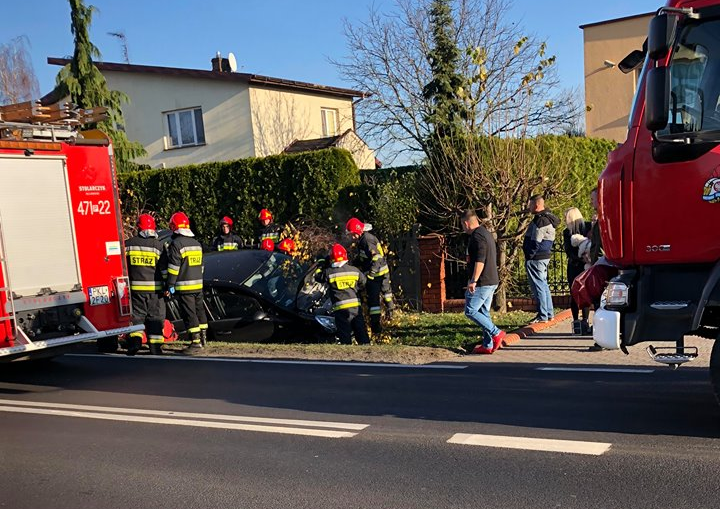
(404,261)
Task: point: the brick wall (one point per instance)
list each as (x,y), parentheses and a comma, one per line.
(432,272)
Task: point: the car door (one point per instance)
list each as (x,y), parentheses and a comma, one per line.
(235,316)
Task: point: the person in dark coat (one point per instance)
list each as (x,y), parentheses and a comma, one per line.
(575,225)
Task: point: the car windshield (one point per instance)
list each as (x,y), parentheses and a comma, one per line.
(277,280)
(695,89)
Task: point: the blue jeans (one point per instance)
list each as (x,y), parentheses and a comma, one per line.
(477,309)
(537,277)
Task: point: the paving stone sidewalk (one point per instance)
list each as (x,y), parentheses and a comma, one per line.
(558,346)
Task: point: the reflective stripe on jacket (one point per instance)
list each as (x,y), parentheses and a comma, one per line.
(272,231)
(185,264)
(229,242)
(344,283)
(372,256)
(147,263)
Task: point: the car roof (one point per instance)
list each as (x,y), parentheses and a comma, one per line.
(233,266)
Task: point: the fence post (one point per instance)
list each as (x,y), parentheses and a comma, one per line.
(432,272)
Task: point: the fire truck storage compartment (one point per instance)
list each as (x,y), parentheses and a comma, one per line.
(37,222)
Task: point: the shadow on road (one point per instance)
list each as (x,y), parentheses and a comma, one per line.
(664,402)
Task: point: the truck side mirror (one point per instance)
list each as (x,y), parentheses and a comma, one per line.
(657,98)
(632,61)
(661,35)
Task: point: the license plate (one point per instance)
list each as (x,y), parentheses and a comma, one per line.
(99,295)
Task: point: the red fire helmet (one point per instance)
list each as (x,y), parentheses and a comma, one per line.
(354,225)
(287,246)
(338,253)
(227,220)
(146,222)
(179,220)
(265,214)
(268,245)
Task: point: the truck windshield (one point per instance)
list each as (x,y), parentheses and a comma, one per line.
(695,82)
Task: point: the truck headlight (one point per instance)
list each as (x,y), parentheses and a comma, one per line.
(617,294)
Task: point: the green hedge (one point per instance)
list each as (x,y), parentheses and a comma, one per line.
(588,157)
(305,185)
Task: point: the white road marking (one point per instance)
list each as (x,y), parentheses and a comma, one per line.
(598,370)
(531,444)
(182,422)
(218,421)
(271,361)
(191,415)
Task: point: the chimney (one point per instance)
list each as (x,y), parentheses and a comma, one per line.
(217,62)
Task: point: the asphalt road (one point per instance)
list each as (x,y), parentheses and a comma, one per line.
(116,432)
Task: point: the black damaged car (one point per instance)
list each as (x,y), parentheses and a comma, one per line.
(259,296)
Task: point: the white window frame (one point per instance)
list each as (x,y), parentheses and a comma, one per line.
(176,113)
(335,113)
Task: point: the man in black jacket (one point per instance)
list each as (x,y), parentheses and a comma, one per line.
(482,283)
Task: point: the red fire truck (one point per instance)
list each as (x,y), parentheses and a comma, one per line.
(63,277)
(660,193)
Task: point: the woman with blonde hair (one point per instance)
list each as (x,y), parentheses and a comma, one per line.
(574,238)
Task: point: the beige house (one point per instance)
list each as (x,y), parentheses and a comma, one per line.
(608,92)
(189,116)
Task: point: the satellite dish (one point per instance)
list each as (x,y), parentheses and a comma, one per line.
(232,62)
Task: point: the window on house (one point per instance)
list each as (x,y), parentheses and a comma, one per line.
(185,128)
(329,121)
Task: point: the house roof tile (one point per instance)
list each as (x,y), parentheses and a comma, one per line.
(251,79)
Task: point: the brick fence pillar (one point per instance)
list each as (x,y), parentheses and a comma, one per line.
(432,272)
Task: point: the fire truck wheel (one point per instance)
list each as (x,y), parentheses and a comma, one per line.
(715,369)
(108,344)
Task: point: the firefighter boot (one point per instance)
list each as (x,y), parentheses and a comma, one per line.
(203,337)
(156,349)
(375,324)
(134,343)
(195,343)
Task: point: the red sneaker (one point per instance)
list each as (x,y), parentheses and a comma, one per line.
(482,350)
(498,340)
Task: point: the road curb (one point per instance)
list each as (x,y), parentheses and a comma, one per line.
(529,330)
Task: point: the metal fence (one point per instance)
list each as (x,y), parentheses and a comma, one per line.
(456,275)
(404,260)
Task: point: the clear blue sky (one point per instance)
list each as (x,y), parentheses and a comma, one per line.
(283,38)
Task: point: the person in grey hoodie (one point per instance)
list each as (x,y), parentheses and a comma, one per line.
(537,247)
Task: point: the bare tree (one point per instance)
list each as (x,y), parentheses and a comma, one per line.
(495,175)
(388,56)
(17,76)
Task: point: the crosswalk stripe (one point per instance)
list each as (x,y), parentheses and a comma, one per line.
(531,444)
(597,370)
(217,421)
(170,413)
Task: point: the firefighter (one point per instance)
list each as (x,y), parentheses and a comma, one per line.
(227,240)
(185,278)
(147,265)
(269,230)
(345,282)
(371,260)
